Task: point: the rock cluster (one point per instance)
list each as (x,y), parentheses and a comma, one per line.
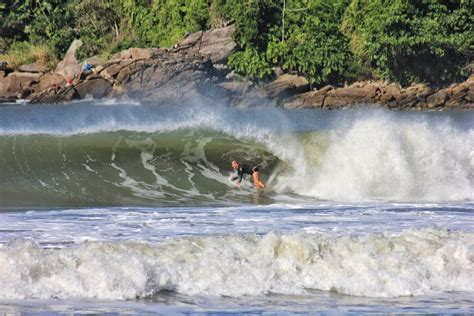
(192,67)
(196,69)
(390,95)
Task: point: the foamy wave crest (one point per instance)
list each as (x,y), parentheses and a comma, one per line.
(382,156)
(413,262)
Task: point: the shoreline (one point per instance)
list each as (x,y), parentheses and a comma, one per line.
(196,69)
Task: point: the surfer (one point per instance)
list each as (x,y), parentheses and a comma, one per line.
(247,169)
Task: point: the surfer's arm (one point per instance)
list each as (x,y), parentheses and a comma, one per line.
(238,177)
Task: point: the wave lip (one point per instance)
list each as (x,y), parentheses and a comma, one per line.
(413,262)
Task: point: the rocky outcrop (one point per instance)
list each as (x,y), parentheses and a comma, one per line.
(174,75)
(415,97)
(215,45)
(49,80)
(285,86)
(96,88)
(195,70)
(69,67)
(17,85)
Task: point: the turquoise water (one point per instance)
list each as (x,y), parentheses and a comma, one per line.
(124,208)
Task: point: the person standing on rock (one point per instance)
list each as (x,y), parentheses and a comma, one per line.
(246,169)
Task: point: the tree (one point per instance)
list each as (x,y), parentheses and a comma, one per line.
(412,41)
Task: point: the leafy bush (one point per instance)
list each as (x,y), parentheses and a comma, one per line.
(312,44)
(250,63)
(409,41)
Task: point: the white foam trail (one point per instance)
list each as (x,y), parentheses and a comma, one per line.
(413,262)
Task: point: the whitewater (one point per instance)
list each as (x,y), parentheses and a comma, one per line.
(121,207)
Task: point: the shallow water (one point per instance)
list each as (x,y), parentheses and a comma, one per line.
(120,208)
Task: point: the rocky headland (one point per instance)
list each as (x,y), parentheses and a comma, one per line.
(196,69)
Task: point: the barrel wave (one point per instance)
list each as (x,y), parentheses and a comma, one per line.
(140,155)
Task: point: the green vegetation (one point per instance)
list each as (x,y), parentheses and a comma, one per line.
(411,41)
(21,53)
(327,41)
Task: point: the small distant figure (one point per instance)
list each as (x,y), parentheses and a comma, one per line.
(69,82)
(247,169)
(87,69)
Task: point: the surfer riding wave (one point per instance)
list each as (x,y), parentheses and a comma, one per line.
(247,169)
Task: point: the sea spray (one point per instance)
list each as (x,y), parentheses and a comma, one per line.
(384,157)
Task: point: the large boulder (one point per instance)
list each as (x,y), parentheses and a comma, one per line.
(52,95)
(215,44)
(344,97)
(218,44)
(458,95)
(94,61)
(311,99)
(69,67)
(96,88)
(437,99)
(286,86)
(420,90)
(49,80)
(135,53)
(17,83)
(111,71)
(389,93)
(141,53)
(414,97)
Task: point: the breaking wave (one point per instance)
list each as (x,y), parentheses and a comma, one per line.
(412,262)
(83,154)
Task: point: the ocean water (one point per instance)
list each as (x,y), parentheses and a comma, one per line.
(120,208)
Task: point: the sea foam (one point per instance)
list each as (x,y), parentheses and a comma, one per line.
(412,262)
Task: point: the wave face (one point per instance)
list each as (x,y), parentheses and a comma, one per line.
(412,262)
(123,154)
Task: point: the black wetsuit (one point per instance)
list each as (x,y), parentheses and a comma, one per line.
(244,169)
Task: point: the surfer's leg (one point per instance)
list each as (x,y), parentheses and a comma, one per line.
(256,180)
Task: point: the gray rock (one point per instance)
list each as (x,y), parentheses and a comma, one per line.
(49,80)
(437,99)
(69,66)
(16,82)
(34,68)
(141,53)
(94,61)
(51,95)
(97,88)
(216,44)
(286,86)
(311,99)
(111,71)
(389,93)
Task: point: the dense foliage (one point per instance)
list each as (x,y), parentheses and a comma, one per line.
(327,41)
(411,41)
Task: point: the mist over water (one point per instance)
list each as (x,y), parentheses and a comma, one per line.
(122,201)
